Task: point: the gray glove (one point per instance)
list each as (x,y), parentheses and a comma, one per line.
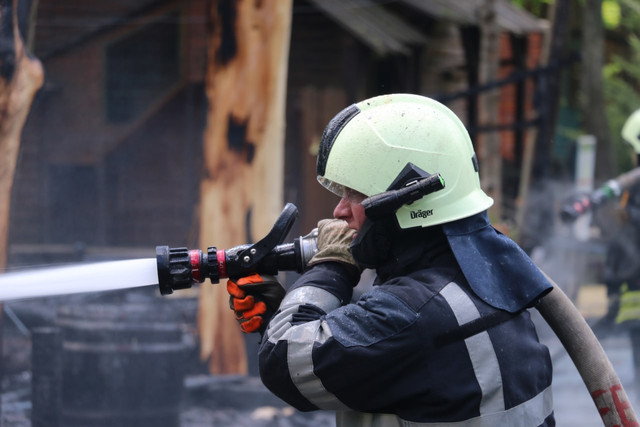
(334,239)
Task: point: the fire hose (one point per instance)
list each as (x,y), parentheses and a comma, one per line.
(180,268)
(588,356)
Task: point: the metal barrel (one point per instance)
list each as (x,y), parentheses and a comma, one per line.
(122,365)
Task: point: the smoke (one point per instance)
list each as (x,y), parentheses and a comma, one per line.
(571,253)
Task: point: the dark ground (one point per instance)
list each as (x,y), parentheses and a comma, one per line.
(243,401)
(205,400)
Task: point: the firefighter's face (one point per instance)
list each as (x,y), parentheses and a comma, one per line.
(350,209)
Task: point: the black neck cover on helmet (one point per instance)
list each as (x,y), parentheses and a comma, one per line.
(497,269)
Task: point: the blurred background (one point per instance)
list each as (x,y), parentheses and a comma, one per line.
(131,124)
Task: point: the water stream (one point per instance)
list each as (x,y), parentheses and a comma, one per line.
(95,277)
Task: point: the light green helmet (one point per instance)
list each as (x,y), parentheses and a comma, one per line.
(367,145)
(631,131)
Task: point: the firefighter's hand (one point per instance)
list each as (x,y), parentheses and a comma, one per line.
(334,240)
(254,299)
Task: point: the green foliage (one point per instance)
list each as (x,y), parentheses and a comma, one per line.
(611,14)
(536,7)
(622,81)
(621,73)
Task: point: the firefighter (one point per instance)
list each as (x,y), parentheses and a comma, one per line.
(622,270)
(444,335)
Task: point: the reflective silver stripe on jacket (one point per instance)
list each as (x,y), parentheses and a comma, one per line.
(481,352)
(300,340)
(533,412)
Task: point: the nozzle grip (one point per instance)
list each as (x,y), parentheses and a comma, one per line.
(251,255)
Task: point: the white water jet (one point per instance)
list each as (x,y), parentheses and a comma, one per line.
(95,277)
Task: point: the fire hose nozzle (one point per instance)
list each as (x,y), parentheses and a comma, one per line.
(181,268)
(578,205)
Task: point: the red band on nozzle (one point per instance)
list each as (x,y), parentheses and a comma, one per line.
(222,263)
(194,259)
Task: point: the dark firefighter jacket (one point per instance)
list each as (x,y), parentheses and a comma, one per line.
(622,250)
(420,348)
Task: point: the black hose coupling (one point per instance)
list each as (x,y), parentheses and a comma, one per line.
(180,268)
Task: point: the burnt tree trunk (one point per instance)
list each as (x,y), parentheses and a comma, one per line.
(241,193)
(20,78)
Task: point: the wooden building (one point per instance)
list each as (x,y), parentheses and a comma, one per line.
(111,152)
(355,49)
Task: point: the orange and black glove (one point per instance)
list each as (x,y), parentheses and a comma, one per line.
(254,299)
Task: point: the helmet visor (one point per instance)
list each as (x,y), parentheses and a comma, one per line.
(342,191)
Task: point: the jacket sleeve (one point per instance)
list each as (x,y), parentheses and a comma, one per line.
(311,354)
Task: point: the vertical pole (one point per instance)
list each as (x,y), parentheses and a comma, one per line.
(490,153)
(584,177)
